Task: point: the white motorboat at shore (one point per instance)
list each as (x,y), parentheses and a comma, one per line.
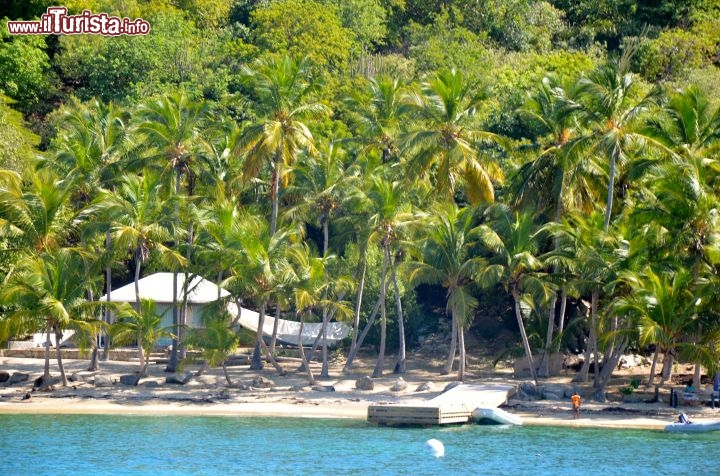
(694,426)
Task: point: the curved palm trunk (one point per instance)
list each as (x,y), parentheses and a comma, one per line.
(356,317)
(668,361)
(653,366)
(273,339)
(46,370)
(306,364)
(523,334)
(400,364)
(592,349)
(563,310)
(378,371)
(227,375)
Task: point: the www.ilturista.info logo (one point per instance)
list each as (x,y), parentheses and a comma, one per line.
(56,21)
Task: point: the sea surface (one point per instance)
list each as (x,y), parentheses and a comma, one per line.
(177,445)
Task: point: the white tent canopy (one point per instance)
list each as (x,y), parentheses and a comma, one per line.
(159,288)
(288,330)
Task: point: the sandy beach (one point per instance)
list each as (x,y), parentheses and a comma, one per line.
(291,396)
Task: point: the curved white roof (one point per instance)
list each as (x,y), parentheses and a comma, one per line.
(159,288)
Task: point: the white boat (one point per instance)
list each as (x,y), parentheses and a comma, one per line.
(495,415)
(694,427)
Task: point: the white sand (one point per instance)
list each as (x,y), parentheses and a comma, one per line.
(209,395)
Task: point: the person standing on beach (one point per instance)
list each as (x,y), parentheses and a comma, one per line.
(575,399)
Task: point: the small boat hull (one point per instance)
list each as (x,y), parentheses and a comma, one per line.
(495,416)
(694,427)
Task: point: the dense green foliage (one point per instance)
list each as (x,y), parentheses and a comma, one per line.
(405,165)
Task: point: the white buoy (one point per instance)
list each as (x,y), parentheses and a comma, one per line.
(436,447)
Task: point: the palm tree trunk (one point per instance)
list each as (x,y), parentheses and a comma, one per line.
(138,261)
(523,335)
(378,371)
(354,350)
(108,291)
(227,375)
(275,198)
(400,364)
(611,189)
(141,357)
(306,364)
(58,352)
(172,364)
(257,363)
(668,361)
(461,345)
(563,310)
(46,370)
(453,346)
(653,366)
(358,308)
(591,351)
(273,339)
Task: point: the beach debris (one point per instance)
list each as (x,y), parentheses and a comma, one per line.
(130,379)
(399,385)
(262,382)
(179,378)
(4,376)
(425,387)
(436,447)
(365,383)
(103,381)
(18,377)
(323,388)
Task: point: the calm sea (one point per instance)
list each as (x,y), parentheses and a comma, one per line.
(163,445)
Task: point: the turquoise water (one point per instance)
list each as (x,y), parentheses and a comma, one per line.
(164,445)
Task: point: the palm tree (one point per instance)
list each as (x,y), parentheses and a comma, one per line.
(137,211)
(281,87)
(445,140)
(217,339)
(93,141)
(606,105)
(172,128)
(447,261)
(142,328)
(49,292)
(389,212)
(378,114)
(514,245)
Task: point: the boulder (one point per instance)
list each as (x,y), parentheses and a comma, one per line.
(40,383)
(4,376)
(529,388)
(150,384)
(364,383)
(18,377)
(82,376)
(130,379)
(262,382)
(179,379)
(103,381)
(451,385)
(399,385)
(425,387)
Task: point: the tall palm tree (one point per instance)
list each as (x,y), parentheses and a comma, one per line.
(93,142)
(445,139)
(389,212)
(218,340)
(608,108)
(282,88)
(514,245)
(446,260)
(172,129)
(49,292)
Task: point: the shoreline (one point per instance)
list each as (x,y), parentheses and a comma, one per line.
(292,398)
